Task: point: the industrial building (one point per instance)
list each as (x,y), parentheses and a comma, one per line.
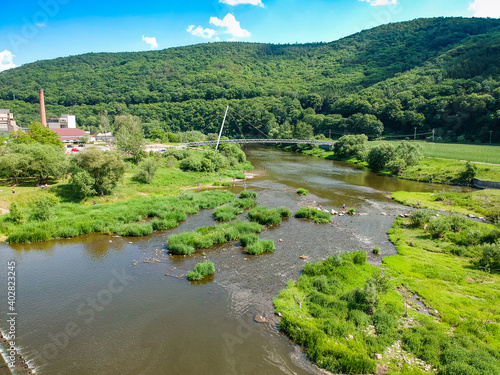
(63,122)
(7,122)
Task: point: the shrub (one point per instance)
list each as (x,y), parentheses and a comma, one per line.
(314,214)
(132,230)
(349,146)
(351,211)
(147,170)
(201,270)
(42,208)
(248,194)
(384,322)
(17,214)
(302,191)
(261,246)
(159,224)
(359,257)
(226,213)
(245,204)
(438,227)
(419,218)
(266,216)
(248,239)
(380,155)
(376,251)
(490,257)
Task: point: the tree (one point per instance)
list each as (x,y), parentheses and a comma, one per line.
(39,134)
(350,146)
(303,131)
(469,173)
(380,155)
(83,184)
(128,134)
(147,170)
(409,152)
(106,168)
(32,160)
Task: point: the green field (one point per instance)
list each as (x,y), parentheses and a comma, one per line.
(477,153)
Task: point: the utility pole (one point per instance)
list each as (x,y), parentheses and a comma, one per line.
(167,135)
(491,131)
(330,134)
(415,135)
(433,132)
(222,127)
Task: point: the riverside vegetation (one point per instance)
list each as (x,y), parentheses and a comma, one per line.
(428,309)
(126,204)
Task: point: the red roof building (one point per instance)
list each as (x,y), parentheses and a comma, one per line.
(70,135)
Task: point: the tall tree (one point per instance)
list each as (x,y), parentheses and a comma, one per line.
(129,137)
(105,168)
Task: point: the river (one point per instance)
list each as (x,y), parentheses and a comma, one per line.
(103,305)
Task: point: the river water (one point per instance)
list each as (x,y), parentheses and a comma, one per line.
(104,305)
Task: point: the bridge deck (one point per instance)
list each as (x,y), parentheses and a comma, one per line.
(260,140)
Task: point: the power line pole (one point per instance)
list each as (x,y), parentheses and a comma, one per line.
(222,127)
(330,134)
(433,132)
(491,131)
(415,135)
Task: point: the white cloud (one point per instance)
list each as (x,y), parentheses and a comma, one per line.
(150,40)
(238,2)
(232,26)
(375,3)
(6,60)
(41,24)
(200,31)
(485,8)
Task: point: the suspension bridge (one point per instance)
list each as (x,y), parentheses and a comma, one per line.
(260,140)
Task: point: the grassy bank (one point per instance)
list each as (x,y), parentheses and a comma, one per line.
(128,218)
(350,319)
(442,162)
(479,203)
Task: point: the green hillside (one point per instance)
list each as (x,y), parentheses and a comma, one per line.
(441,73)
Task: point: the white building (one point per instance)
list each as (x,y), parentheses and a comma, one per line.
(7,122)
(64,122)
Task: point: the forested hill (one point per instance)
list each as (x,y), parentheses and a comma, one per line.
(441,73)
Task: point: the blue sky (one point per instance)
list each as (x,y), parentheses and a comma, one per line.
(32,30)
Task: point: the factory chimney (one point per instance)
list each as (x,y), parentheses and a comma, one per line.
(42,109)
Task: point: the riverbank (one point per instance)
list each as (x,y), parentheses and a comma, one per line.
(482,203)
(134,208)
(433,310)
(433,169)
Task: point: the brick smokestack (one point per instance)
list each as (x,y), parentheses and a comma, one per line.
(42,109)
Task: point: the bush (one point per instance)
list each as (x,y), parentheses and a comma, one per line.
(248,239)
(349,146)
(380,155)
(351,211)
(17,214)
(266,216)
(226,213)
(419,218)
(201,270)
(132,229)
(384,322)
(159,224)
(248,194)
(42,208)
(314,214)
(359,257)
(147,170)
(261,246)
(490,257)
(245,204)
(302,191)
(376,251)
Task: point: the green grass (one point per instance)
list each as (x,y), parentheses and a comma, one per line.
(302,191)
(314,214)
(69,219)
(479,203)
(455,151)
(342,311)
(187,242)
(269,216)
(226,213)
(259,247)
(201,270)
